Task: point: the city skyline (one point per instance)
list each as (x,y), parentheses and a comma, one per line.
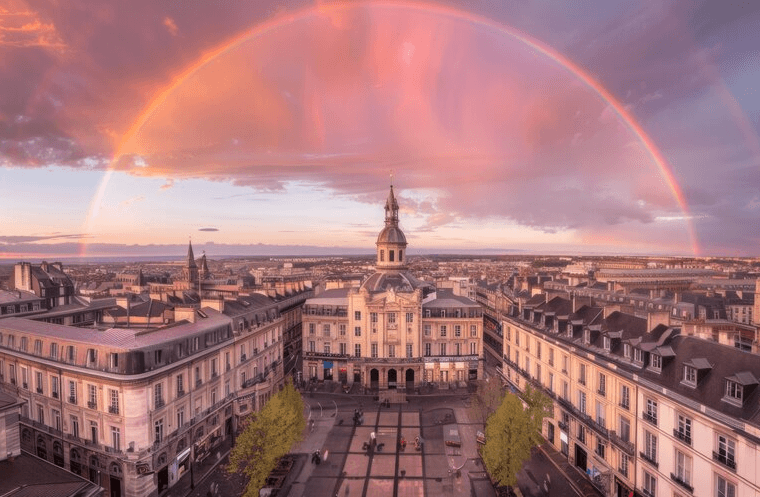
(579,128)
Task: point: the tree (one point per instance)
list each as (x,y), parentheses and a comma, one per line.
(487,399)
(268,435)
(512,431)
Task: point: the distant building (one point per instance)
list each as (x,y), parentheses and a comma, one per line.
(394,331)
(47,281)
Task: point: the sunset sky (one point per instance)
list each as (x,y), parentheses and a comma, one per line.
(259,127)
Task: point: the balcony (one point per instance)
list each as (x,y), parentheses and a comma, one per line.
(39,390)
(214,374)
(198,382)
(113,409)
(625,445)
(92,405)
(243,358)
(180,393)
(160,403)
(72,400)
(682,436)
(55,395)
(625,405)
(649,417)
(25,385)
(726,460)
(682,483)
(563,426)
(649,458)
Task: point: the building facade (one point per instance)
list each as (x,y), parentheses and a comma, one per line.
(394,331)
(641,411)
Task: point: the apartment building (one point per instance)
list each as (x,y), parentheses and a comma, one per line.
(640,410)
(132,409)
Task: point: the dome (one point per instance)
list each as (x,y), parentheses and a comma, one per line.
(391,234)
(399,281)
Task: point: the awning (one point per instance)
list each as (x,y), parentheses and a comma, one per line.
(327,364)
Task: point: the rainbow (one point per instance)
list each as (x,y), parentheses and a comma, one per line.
(662,164)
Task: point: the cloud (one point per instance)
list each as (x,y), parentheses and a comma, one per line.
(168,185)
(130,201)
(171,26)
(16,239)
(208,229)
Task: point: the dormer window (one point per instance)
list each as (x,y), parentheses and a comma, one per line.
(734,392)
(689,376)
(607,343)
(586,336)
(569,329)
(627,350)
(638,355)
(655,362)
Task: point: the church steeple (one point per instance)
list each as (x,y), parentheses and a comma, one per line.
(190,272)
(190,256)
(391,209)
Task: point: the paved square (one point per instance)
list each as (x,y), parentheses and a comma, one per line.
(388,418)
(383,465)
(410,419)
(412,464)
(411,488)
(356,465)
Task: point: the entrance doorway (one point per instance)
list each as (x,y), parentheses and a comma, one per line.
(115,487)
(357,376)
(409,379)
(163,479)
(374,379)
(392,378)
(580,457)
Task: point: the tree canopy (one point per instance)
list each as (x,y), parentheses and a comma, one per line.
(268,435)
(512,431)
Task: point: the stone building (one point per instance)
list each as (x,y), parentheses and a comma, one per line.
(394,331)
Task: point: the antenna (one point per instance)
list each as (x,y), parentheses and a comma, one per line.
(391,178)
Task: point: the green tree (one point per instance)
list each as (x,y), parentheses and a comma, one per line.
(512,431)
(268,435)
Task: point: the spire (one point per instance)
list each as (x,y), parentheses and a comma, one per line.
(190,256)
(391,209)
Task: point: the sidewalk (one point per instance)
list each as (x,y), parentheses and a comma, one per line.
(200,470)
(575,477)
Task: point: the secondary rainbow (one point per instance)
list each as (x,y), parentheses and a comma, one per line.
(260,29)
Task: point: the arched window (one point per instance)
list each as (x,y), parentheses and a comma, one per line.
(115,469)
(390,256)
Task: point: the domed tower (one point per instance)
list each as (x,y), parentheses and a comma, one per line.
(391,242)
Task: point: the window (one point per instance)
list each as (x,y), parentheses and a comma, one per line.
(158,395)
(382,255)
(650,446)
(40,414)
(54,386)
(357,331)
(586,336)
(600,414)
(312,329)
(373,349)
(180,385)
(38,376)
(343,347)
(24,345)
(726,450)
(158,356)
(409,317)
(607,343)
(624,464)
(564,363)
(56,419)
(373,317)
(517,337)
(94,431)
(733,392)
(113,407)
(342,329)
(651,411)
(158,430)
(724,488)
(426,330)
(625,397)
(115,438)
(409,350)
(357,350)
(627,350)
(391,351)
(326,330)
(391,256)
(326,347)
(655,362)
(638,355)
(582,374)
(92,357)
(683,429)
(213,368)
(625,429)
(442,347)
(682,468)
(54,350)
(457,330)
(443,330)
(198,378)
(72,392)
(113,360)
(312,346)
(538,350)
(427,349)
(357,315)
(565,390)
(473,330)
(581,433)
(602,381)
(690,376)
(75,426)
(180,417)
(473,348)
(551,357)
(582,401)
(650,485)
(600,447)
(92,396)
